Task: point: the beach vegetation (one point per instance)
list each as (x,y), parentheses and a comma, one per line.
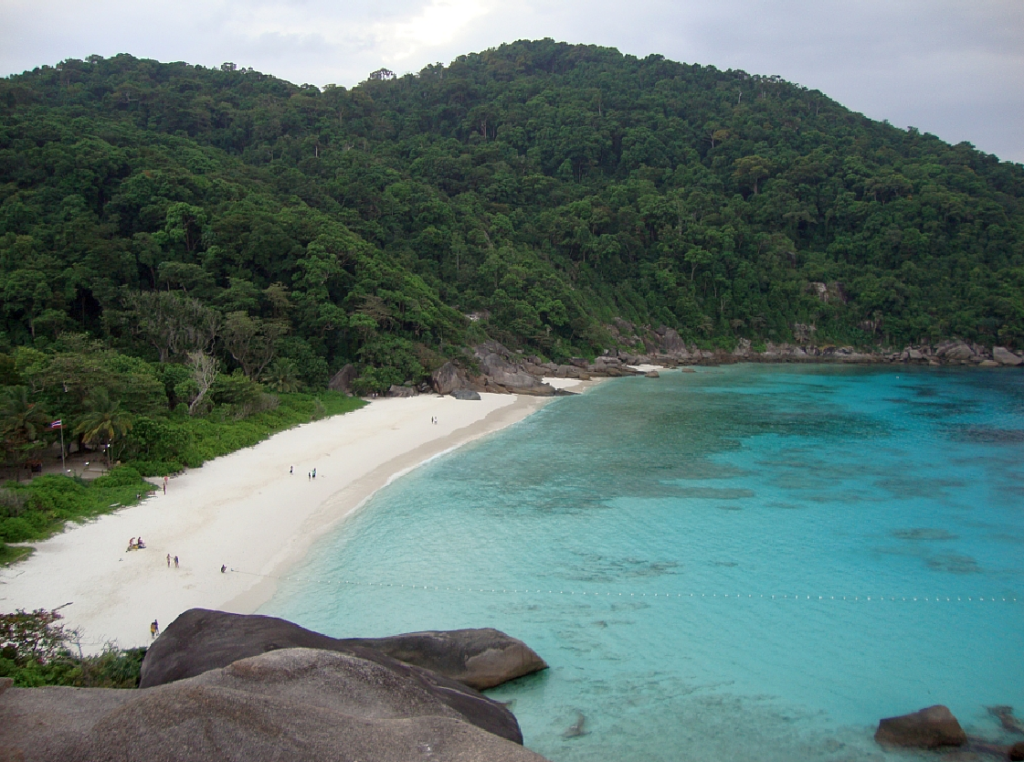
(36,649)
(34,510)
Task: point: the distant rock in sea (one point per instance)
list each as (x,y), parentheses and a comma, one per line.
(930,728)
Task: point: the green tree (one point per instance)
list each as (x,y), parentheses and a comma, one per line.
(104,423)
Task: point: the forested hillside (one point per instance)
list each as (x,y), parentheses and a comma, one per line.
(544,188)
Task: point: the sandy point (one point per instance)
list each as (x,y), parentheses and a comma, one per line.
(246,511)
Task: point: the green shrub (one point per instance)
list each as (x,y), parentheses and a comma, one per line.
(36,650)
(16,530)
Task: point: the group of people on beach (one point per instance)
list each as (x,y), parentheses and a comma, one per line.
(136,544)
(169,561)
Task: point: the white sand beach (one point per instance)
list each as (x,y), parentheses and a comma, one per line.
(244,511)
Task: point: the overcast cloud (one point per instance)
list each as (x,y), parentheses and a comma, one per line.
(954,68)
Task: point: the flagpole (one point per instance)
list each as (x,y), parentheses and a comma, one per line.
(63,465)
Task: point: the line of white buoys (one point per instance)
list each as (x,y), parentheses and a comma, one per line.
(750,596)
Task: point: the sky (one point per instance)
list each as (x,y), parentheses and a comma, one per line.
(954,68)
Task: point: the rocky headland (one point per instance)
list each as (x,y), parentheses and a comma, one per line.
(493,368)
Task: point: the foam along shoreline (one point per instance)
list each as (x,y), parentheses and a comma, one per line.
(245,511)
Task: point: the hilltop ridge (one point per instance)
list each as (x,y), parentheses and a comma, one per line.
(531,193)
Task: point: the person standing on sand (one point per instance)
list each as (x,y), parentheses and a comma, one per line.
(223,568)
(175,562)
(291,470)
(168,560)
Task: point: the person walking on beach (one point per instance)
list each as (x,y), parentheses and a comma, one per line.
(291,470)
(168,560)
(314,473)
(154,630)
(175,562)
(223,568)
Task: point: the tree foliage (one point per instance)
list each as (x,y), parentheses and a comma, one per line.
(547,187)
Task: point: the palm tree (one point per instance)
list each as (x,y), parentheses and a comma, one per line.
(22,424)
(105,422)
(22,421)
(282,376)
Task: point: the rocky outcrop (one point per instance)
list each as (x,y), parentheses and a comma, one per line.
(480,659)
(663,346)
(466,394)
(930,728)
(504,373)
(1016,752)
(295,704)
(1006,718)
(447,379)
(200,640)
(342,380)
(1003,356)
(402,391)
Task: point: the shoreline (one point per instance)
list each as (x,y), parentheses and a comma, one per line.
(246,511)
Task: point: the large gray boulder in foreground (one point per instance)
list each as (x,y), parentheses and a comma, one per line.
(294,704)
(200,640)
(930,728)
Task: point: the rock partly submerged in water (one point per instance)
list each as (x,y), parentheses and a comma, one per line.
(295,704)
(930,728)
(201,640)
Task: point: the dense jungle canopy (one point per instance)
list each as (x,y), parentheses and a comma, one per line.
(173,211)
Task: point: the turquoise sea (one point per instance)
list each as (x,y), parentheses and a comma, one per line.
(747,562)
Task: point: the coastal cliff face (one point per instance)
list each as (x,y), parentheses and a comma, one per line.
(223,686)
